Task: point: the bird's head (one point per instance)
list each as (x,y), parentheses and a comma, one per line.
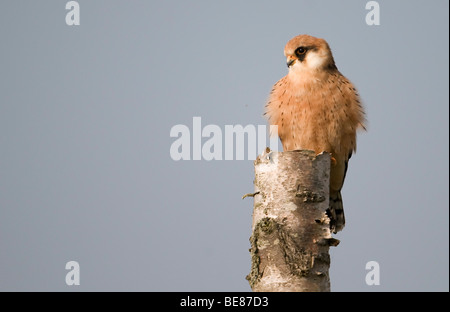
(306,53)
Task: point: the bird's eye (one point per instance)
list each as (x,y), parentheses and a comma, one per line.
(300,51)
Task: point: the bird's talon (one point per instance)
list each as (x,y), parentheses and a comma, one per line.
(333,161)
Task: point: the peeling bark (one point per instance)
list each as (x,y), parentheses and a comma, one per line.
(291,230)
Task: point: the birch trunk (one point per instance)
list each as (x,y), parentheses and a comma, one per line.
(290,233)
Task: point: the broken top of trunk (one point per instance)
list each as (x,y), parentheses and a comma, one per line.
(291,230)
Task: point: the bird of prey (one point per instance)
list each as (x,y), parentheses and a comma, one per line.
(316,108)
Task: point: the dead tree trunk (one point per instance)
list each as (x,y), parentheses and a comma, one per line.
(290,233)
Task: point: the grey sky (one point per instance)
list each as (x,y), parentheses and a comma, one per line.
(85,117)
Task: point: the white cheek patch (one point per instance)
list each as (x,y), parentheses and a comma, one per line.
(299,66)
(314,60)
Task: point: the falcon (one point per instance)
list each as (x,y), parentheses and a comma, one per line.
(316,108)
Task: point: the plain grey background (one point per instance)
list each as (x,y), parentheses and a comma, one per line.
(85,117)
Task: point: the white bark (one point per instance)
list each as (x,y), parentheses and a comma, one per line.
(290,232)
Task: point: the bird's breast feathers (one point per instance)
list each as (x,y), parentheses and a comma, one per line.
(316,111)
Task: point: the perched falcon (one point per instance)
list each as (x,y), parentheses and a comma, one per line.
(316,108)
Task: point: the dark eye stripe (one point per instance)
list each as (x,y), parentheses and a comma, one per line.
(300,52)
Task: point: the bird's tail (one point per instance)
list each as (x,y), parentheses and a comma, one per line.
(336,212)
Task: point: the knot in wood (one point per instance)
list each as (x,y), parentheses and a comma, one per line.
(309,196)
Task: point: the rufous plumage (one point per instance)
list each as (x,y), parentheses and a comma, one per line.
(316,108)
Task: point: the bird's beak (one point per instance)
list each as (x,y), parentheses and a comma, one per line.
(290,61)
